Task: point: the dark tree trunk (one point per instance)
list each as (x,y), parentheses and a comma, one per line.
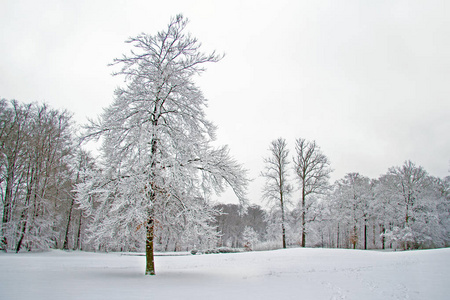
(22,235)
(283,229)
(78,243)
(149,255)
(24,215)
(365,235)
(149,248)
(66,236)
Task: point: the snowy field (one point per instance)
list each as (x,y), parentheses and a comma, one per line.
(280,274)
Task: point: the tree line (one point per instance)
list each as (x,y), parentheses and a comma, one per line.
(405,208)
(43,172)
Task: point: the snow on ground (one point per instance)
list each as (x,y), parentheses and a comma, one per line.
(281,274)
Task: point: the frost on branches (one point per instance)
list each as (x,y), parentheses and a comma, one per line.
(159,167)
(416,207)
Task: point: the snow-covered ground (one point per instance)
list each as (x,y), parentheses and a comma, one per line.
(280,274)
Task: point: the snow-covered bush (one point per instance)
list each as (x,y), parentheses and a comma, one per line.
(250,237)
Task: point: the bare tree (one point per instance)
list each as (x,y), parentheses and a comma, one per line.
(277,189)
(313,170)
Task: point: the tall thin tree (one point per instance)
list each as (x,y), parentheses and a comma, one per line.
(313,170)
(277,188)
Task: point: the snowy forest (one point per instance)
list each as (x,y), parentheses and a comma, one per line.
(42,166)
(153,184)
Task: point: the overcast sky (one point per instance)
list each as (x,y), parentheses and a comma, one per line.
(368,80)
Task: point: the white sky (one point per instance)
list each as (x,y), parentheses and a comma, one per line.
(368,80)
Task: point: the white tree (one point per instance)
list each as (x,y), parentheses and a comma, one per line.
(250,237)
(355,197)
(277,188)
(159,164)
(413,201)
(442,187)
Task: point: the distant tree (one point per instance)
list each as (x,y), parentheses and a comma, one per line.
(415,201)
(442,188)
(355,197)
(277,188)
(250,237)
(231,222)
(255,217)
(159,164)
(313,170)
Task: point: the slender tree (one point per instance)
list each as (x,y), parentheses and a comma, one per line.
(277,188)
(313,170)
(160,166)
(82,163)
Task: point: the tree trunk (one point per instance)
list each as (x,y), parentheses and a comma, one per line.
(78,243)
(149,249)
(22,234)
(150,263)
(337,240)
(374,241)
(66,236)
(303,215)
(283,229)
(365,234)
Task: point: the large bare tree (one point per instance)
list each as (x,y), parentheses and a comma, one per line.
(277,188)
(313,170)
